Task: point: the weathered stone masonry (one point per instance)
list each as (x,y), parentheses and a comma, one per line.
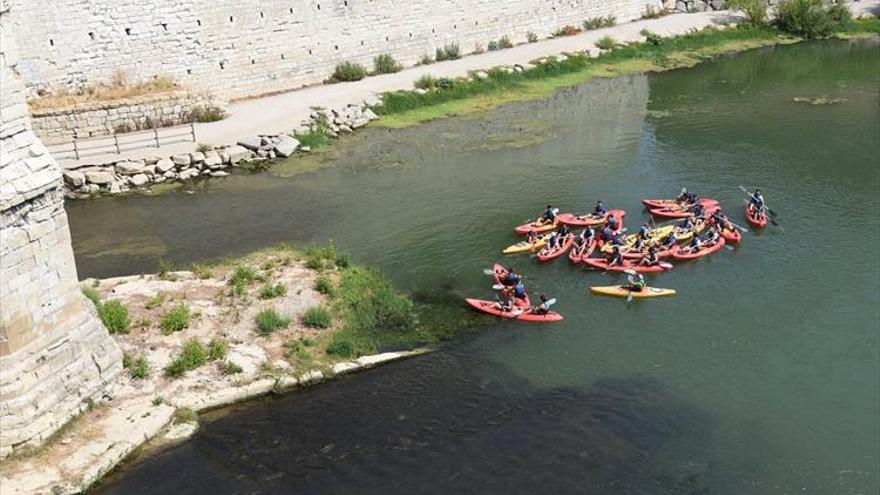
(55,355)
(237,48)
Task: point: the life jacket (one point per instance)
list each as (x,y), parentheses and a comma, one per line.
(519,290)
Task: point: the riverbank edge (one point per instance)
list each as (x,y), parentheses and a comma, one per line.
(156,409)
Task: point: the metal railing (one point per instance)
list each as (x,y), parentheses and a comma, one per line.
(117,143)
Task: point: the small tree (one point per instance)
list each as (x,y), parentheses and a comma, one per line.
(755,10)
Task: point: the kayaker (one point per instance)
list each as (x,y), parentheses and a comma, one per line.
(552,242)
(541,309)
(616,240)
(686,225)
(519,290)
(549,216)
(615,258)
(636,282)
(651,258)
(600,209)
(669,241)
(757,201)
(532,238)
(506,303)
(612,222)
(644,231)
(564,231)
(682,196)
(719,219)
(511,278)
(606,234)
(697,209)
(713,236)
(588,234)
(639,245)
(694,246)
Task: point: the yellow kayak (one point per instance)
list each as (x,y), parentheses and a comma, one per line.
(654,236)
(526,247)
(620,291)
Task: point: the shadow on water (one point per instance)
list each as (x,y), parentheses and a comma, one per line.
(471,428)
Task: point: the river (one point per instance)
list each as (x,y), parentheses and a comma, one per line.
(761,376)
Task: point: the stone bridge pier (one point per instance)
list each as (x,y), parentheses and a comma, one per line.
(56,358)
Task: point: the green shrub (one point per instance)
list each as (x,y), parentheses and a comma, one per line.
(185,415)
(204,147)
(217,349)
(141,368)
(606,43)
(427,81)
(114,315)
(349,71)
(202,271)
(92,295)
(448,52)
(505,42)
(206,113)
(241,277)
(316,317)
(268,320)
(755,10)
(229,368)
(127,360)
(192,356)
(269,291)
(155,301)
(566,30)
(653,13)
(324,285)
(385,64)
(320,257)
(341,348)
(531,37)
(599,22)
(425,60)
(176,319)
(812,18)
(651,37)
(313,139)
(343,260)
(164,270)
(158,400)
(493,46)
(445,83)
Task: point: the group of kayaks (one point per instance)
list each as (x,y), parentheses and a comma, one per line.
(700,228)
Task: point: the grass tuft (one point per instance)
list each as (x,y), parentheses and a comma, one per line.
(115,317)
(177,319)
(268,321)
(316,317)
(193,356)
(348,71)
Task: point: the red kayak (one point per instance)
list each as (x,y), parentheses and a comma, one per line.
(679,212)
(637,255)
(703,251)
(756,221)
(489,307)
(547,254)
(667,203)
(601,264)
(732,235)
(500,273)
(588,220)
(574,257)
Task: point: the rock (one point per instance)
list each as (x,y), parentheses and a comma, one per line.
(130,167)
(306,149)
(164,165)
(188,174)
(344,128)
(181,160)
(560,58)
(481,74)
(139,180)
(213,160)
(219,173)
(99,177)
(235,154)
(286,146)
(700,7)
(360,122)
(280,364)
(74,178)
(680,6)
(115,188)
(718,4)
(370,115)
(197,157)
(90,189)
(151,160)
(205,172)
(420,91)
(252,143)
(150,169)
(66,441)
(171,174)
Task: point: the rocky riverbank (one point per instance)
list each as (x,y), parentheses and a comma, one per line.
(124,176)
(193,341)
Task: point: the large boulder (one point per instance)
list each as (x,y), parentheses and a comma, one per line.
(213,160)
(130,167)
(188,174)
(74,178)
(99,177)
(252,143)
(164,165)
(197,157)
(139,180)
(181,160)
(235,154)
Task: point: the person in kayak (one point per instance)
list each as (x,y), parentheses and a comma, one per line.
(600,210)
(548,217)
(532,238)
(616,240)
(506,303)
(720,220)
(583,240)
(651,258)
(685,226)
(712,237)
(511,278)
(553,242)
(612,222)
(697,210)
(519,290)
(564,231)
(588,235)
(644,231)
(614,258)
(682,196)
(639,245)
(540,309)
(636,283)
(669,241)
(695,245)
(606,234)
(757,201)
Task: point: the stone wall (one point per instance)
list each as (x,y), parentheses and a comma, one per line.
(108,118)
(236,48)
(55,355)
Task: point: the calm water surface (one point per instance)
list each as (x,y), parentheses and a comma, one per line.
(761,376)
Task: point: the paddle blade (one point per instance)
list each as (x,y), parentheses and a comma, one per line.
(629,271)
(488,272)
(551,302)
(665,265)
(497,286)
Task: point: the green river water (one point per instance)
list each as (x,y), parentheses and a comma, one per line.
(761,376)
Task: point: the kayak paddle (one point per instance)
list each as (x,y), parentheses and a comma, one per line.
(772,213)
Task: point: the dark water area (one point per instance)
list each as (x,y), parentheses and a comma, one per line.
(761,376)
